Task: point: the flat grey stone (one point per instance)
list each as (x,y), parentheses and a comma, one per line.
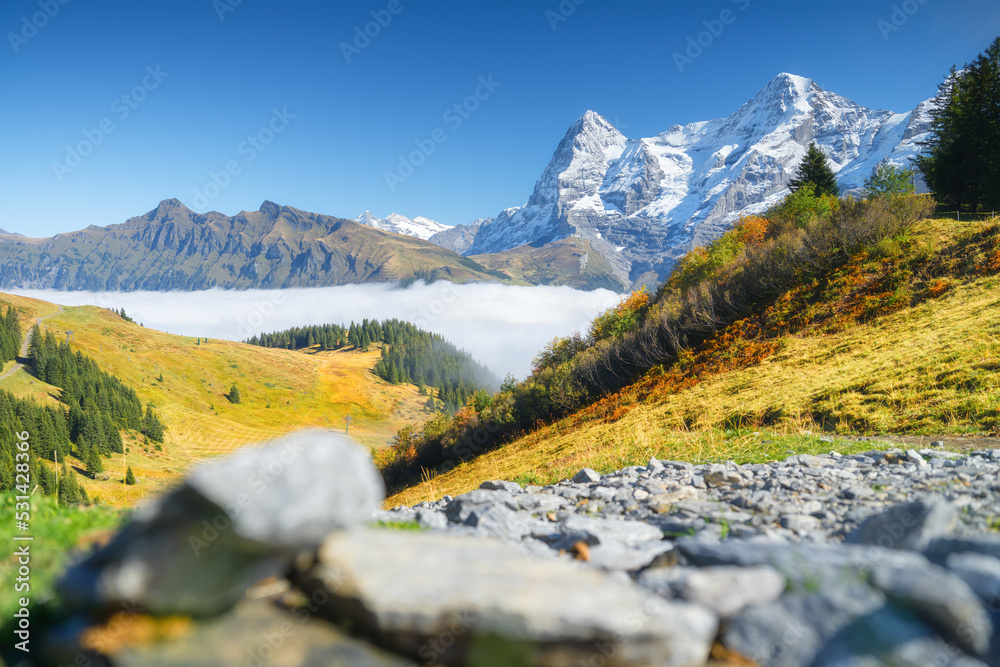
(806,460)
(941,598)
(793,630)
(499,521)
(728,590)
(906,525)
(799,522)
(981,573)
(501,485)
(940,549)
(890,636)
(616,556)
(262,488)
(234,521)
(260,633)
(629,533)
(587,476)
(408,590)
(431,519)
(720,475)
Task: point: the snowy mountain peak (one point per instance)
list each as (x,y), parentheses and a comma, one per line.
(644,202)
(419,226)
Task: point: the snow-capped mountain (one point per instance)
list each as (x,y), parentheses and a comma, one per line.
(643,203)
(420,227)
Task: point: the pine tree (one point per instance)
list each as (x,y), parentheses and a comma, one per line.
(961,159)
(814,169)
(94,464)
(69,491)
(234,395)
(129,477)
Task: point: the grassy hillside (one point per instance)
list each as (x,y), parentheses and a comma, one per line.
(281,391)
(903,338)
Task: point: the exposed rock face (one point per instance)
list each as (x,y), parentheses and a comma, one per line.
(460,237)
(648,201)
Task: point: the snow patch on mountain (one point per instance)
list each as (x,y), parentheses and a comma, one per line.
(419,226)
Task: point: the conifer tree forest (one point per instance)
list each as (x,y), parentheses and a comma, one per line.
(409,355)
(97,407)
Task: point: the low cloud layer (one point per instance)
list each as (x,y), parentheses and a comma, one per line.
(503,326)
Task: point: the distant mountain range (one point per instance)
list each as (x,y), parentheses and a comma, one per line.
(174,248)
(607,211)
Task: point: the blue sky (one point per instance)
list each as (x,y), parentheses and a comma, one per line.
(109,107)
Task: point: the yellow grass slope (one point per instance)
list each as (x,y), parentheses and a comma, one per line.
(933,368)
(282,390)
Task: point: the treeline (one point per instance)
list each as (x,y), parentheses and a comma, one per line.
(48,438)
(409,355)
(798,241)
(961,156)
(425,359)
(98,407)
(10,336)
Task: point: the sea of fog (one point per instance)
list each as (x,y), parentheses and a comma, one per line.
(502,326)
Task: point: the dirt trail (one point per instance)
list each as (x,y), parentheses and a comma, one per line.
(24,346)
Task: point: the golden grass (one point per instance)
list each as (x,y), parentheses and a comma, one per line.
(931,368)
(282,391)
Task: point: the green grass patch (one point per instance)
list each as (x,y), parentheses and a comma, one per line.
(398,525)
(59,536)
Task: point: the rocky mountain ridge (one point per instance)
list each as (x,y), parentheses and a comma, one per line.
(645,202)
(172,247)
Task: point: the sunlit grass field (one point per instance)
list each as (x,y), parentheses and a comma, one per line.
(930,369)
(186,379)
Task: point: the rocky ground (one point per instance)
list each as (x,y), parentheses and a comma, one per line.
(884,558)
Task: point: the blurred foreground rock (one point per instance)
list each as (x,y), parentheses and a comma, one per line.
(233,522)
(884,558)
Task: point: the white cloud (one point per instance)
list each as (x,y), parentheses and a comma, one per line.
(502,326)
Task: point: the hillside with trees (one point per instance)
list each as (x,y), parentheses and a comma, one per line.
(812,261)
(98,407)
(961,159)
(408,355)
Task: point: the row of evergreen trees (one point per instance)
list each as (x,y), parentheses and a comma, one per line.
(99,406)
(409,355)
(961,158)
(48,438)
(10,336)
